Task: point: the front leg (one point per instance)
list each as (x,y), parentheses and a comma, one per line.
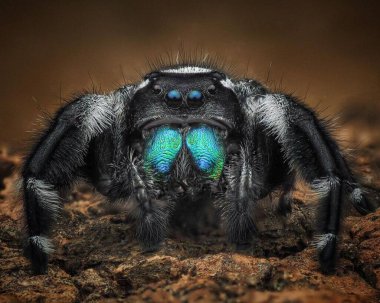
(243,190)
(152,217)
(56,161)
(150,213)
(310,150)
(286,199)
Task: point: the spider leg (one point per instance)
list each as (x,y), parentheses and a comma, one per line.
(329,186)
(285,201)
(53,166)
(307,148)
(245,185)
(150,213)
(99,162)
(356,196)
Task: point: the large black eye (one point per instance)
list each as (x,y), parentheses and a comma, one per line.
(174,98)
(195,98)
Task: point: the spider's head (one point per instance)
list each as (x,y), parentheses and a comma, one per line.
(184,96)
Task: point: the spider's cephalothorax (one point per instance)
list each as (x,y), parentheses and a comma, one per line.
(185,131)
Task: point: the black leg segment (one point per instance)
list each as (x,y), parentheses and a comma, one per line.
(310,151)
(54,165)
(245,185)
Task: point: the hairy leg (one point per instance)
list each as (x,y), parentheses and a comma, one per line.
(308,148)
(285,201)
(54,164)
(245,185)
(130,181)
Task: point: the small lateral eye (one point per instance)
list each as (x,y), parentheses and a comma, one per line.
(212,89)
(195,98)
(157,89)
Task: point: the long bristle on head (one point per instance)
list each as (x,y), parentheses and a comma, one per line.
(184,60)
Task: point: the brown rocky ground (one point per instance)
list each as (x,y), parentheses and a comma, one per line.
(98,260)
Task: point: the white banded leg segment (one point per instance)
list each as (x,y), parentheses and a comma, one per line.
(47,197)
(242,191)
(323,186)
(305,146)
(359,201)
(96,114)
(42,243)
(357,195)
(321,241)
(273,114)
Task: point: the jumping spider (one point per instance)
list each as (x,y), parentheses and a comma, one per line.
(183,131)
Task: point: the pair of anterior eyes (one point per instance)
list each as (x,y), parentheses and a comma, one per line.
(175,95)
(193,98)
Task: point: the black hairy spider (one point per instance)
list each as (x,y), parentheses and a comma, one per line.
(183,131)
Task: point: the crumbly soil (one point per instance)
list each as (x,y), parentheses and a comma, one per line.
(97,258)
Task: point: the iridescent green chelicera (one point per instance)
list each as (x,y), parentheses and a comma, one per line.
(162,150)
(207,150)
(203,143)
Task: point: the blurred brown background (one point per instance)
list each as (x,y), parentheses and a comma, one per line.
(326,52)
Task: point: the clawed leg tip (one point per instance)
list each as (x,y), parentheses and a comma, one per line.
(327,269)
(284,211)
(284,207)
(244,246)
(326,246)
(151,248)
(38,271)
(364,209)
(327,265)
(361,203)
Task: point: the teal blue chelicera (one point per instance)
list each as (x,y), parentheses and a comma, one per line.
(207,150)
(204,145)
(162,150)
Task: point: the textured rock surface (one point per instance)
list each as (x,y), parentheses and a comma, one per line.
(98,260)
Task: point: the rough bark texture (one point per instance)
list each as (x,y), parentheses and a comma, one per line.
(98,260)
